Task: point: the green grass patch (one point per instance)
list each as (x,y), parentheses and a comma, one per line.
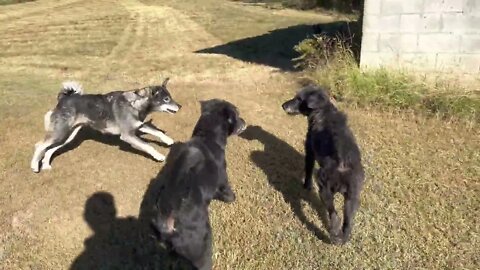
(331,63)
(10,2)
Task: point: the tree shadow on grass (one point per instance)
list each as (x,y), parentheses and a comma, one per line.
(283,166)
(276,48)
(118,243)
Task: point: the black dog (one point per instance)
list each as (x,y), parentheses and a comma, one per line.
(332,144)
(195,174)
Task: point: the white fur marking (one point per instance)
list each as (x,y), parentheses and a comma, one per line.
(47,120)
(167,140)
(48,155)
(137,143)
(73,85)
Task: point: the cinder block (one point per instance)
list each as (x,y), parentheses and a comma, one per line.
(410,23)
(471,7)
(453,6)
(408,42)
(372,7)
(370,60)
(381,24)
(470,63)
(441,5)
(418,61)
(431,22)
(415,23)
(392,7)
(470,44)
(412,6)
(447,62)
(460,23)
(443,42)
(432,5)
(389,43)
(370,42)
(370,24)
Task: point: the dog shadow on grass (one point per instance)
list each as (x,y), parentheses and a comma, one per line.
(283,166)
(119,243)
(88,134)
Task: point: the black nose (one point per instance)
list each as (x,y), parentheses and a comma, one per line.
(179,106)
(284,106)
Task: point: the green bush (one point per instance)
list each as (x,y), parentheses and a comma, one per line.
(329,61)
(9,2)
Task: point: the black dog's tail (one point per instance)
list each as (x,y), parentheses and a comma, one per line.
(70,88)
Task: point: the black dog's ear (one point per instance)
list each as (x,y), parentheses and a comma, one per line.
(203,106)
(317,100)
(164,84)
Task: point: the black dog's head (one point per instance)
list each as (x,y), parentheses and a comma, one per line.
(225,110)
(307,100)
(161,100)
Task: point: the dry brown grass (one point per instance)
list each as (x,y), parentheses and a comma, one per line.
(419,207)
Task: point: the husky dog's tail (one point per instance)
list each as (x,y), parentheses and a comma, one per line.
(70,88)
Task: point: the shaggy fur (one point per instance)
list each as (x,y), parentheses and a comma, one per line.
(120,113)
(194,175)
(330,142)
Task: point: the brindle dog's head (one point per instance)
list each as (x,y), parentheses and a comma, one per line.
(307,100)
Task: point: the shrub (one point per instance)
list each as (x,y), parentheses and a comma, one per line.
(329,61)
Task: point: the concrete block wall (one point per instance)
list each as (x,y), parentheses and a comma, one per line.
(426,35)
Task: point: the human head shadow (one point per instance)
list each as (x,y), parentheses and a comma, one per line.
(283,166)
(274,48)
(118,243)
(86,134)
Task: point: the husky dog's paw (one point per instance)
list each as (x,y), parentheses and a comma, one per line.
(46,167)
(159,157)
(168,141)
(34,168)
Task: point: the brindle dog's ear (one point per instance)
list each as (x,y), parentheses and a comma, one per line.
(317,100)
(164,84)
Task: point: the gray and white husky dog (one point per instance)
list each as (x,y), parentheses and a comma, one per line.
(120,113)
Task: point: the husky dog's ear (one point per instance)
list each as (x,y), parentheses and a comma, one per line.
(164,84)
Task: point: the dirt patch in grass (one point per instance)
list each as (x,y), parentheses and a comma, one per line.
(420,203)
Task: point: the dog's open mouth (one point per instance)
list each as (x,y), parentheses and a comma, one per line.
(169,108)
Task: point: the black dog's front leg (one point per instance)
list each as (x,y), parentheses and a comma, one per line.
(350,207)
(309,163)
(225,194)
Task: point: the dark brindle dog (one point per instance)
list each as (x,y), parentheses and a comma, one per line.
(330,142)
(194,175)
(120,113)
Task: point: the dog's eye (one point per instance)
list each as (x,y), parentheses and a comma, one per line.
(166,99)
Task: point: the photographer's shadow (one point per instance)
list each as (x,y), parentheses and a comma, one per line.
(117,243)
(283,166)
